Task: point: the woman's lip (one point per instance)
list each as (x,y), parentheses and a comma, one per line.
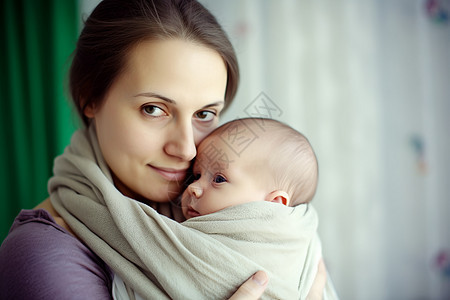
(171,174)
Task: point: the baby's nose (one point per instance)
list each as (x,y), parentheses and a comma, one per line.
(195,190)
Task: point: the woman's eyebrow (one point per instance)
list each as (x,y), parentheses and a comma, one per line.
(217,103)
(154,95)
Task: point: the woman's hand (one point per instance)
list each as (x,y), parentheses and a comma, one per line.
(253,288)
(316,291)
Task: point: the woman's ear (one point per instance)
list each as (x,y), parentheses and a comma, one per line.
(278,196)
(89,110)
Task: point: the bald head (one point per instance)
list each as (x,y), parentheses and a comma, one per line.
(271,146)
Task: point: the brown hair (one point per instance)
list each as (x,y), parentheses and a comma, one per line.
(116,26)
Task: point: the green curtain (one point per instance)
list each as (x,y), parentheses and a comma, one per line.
(37,39)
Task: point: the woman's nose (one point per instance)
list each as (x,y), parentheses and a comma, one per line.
(181,142)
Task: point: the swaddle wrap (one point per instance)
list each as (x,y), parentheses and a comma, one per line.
(207,257)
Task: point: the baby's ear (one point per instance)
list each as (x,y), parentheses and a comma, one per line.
(278,196)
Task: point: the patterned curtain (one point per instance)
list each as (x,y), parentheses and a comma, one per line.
(368,83)
(37,38)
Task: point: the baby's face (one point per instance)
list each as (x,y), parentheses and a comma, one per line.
(222,179)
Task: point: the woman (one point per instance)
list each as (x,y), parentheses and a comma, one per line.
(149,80)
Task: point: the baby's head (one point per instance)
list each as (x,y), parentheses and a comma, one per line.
(249,160)
(289,158)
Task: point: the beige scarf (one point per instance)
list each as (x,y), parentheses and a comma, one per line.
(207,257)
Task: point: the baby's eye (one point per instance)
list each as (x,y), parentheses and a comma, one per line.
(219,179)
(192,178)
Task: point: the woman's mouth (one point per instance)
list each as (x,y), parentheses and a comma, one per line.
(170,174)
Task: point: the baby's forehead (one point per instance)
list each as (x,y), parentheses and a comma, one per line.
(240,134)
(223,149)
(215,155)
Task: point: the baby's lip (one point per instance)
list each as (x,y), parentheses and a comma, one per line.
(192,212)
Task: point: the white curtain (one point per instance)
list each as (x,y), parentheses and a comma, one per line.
(369,83)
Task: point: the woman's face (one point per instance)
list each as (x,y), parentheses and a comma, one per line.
(163,104)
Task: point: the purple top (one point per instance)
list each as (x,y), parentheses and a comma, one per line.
(40,260)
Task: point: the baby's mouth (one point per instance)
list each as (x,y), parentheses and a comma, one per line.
(192,212)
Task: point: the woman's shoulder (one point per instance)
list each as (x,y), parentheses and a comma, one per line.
(41,258)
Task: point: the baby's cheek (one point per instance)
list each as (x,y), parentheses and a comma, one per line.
(184,199)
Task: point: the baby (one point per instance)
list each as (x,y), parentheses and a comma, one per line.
(250,160)
(247,209)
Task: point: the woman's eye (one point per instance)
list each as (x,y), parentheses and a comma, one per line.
(205,115)
(219,179)
(153,111)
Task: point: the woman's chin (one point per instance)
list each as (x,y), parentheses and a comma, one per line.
(163,196)
(169,191)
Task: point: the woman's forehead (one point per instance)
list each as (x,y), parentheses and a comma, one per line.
(177,69)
